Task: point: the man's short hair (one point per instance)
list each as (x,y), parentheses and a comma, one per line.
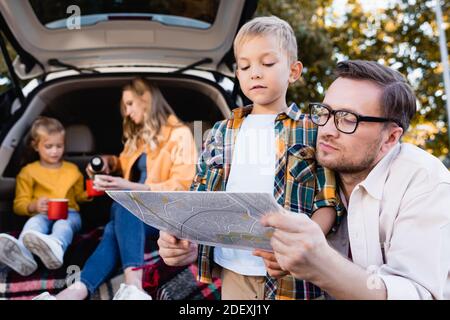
(398,100)
(271,25)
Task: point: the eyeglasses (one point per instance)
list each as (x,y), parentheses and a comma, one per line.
(345,121)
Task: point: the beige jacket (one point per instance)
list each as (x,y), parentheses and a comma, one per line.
(399,224)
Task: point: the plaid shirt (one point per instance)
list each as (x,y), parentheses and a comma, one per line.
(301,186)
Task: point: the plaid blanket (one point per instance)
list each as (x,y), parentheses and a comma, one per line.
(159,280)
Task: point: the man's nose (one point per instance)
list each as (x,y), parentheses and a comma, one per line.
(329,129)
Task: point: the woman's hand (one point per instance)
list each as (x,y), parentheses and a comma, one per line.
(109,162)
(176,252)
(104,182)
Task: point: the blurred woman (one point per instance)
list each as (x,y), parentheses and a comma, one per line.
(159,154)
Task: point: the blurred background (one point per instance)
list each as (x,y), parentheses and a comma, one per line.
(402,34)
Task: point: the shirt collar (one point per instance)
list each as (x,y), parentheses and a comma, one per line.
(292,112)
(376,179)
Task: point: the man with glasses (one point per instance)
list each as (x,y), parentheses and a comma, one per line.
(395,240)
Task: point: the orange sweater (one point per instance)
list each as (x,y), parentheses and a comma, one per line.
(171,165)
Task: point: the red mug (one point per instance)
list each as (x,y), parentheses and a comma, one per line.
(57,209)
(91,191)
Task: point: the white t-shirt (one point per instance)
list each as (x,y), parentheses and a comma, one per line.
(252,170)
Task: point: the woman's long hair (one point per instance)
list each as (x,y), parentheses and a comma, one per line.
(156,116)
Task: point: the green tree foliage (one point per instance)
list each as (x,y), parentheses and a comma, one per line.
(403,36)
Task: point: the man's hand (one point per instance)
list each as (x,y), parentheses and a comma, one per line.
(272,266)
(300,247)
(299,244)
(176,252)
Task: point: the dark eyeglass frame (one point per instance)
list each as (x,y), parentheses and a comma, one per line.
(358,117)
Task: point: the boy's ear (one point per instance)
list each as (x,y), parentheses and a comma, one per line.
(296,71)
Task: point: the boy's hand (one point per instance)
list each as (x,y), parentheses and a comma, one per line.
(273,268)
(176,252)
(299,244)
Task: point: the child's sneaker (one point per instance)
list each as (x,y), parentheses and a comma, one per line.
(130,292)
(44,296)
(47,248)
(15,256)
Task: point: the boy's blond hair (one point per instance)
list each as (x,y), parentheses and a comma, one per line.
(44,125)
(265,26)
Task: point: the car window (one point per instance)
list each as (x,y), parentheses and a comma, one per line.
(199,14)
(7,91)
(5,81)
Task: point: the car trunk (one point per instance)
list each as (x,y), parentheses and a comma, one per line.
(92,101)
(122,33)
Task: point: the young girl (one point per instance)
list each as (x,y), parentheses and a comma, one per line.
(159,154)
(49,177)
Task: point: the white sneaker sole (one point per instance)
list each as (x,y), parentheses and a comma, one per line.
(40,248)
(44,296)
(13,257)
(128,293)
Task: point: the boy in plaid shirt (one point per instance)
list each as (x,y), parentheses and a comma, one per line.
(264,147)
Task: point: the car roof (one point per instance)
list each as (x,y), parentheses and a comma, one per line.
(114,39)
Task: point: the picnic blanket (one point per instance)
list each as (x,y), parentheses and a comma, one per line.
(159,280)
